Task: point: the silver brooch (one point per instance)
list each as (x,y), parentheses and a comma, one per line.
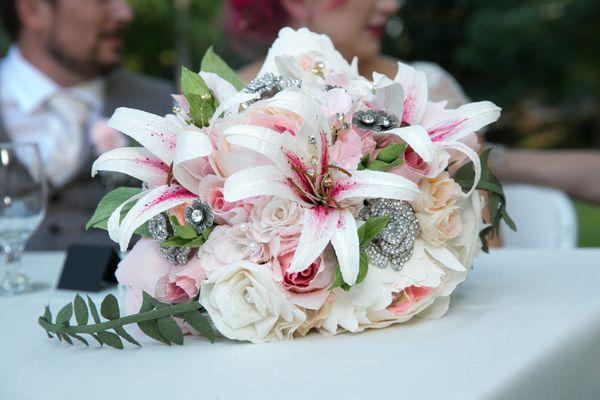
(375,120)
(160,228)
(394,244)
(269,84)
(199,215)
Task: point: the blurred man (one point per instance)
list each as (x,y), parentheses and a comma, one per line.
(60,78)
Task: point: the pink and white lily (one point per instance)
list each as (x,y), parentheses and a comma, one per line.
(167,164)
(300,170)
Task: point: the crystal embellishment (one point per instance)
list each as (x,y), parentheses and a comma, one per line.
(160,228)
(394,244)
(375,120)
(269,84)
(199,215)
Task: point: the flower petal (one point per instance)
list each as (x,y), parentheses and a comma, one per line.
(374,184)
(464,121)
(389,95)
(133,161)
(152,203)
(416,137)
(155,133)
(317,230)
(446,258)
(414,84)
(220,87)
(346,245)
(473,156)
(191,145)
(262,140)
(114,221)
(264,180)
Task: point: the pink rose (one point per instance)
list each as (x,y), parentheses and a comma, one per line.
(405,301)
(308,288)
(347,150)
(104,138)
(226,213)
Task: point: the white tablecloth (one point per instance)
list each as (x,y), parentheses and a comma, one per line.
(525,325)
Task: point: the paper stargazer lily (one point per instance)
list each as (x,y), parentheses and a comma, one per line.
(300,170)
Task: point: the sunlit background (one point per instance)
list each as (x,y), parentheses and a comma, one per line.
(538,59)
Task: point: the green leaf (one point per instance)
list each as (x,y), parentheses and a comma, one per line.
(64,315)
(47,314)
(390,153)
(508,220)
(176,241)
(195,91)
(150,328)
(200,324)
(183,231)
(169,329)
(363,268)
(97,339)
(109,203)
(81,311)
(67,339)
(93,310)
(211,62)
(378,165)
(82,340)
(371,228)
(339,281)
(111,339)
(123,333)
(110,307)
(147,303)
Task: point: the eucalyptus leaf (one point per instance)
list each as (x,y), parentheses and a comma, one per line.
(81,311)
(67,339)
(147,303)
(93,310)
(123,333)
(110,307)
(169,329)
(64,315)
(47,314)
(150,329)
(82,340)
(200,324)
(211,62)
(111,339)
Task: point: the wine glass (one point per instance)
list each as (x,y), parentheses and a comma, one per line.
(22,209)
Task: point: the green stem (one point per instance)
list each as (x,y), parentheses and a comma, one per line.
(130,319)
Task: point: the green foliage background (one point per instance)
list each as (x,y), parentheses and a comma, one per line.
(538,59)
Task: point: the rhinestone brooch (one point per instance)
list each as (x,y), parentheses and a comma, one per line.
(375,120)
(160,228)
(394,244)
(199,215)
(269,84)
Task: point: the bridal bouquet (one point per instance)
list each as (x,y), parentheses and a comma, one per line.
(311,199)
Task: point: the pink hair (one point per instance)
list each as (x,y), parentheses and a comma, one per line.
(260,19)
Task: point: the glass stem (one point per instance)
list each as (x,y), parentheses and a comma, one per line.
(14,280)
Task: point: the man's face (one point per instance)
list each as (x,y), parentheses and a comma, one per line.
(86,36)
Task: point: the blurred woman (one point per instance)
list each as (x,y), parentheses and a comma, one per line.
(356,28)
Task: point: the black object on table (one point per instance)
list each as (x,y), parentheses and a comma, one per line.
(89,268)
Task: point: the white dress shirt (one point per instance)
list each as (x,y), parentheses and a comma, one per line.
(36,109)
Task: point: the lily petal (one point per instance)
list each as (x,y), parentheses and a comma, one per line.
(414,84)
(220,87)
(262,140)
(416,137)
(155,133)
(152,203)
(367,184)
(389,95)
(114,221)
(464,121)
(191,145)
(346,245)
(264,180)
(473,156)
(318,228)
(136,162)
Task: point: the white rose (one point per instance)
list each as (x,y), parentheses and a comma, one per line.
(367,305)
(275,217)
(245,304)
(295,53)
(467,245)
(441,226)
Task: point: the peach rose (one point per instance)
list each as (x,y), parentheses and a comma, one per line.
(437,193)
(441,226)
